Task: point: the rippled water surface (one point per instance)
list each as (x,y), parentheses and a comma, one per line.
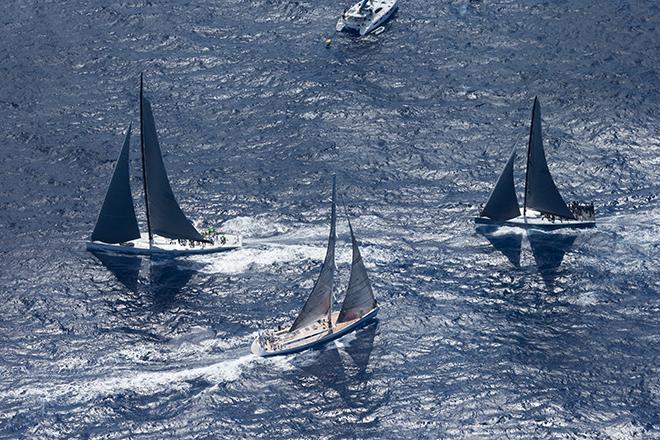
(482,334)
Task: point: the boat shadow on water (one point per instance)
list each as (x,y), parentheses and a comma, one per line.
(125,268)
(548,248)
(343,370)
(549,251)
(166,278)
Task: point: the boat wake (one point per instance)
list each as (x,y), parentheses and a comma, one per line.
(139,382)
(267,242)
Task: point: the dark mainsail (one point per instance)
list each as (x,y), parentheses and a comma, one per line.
(164,214)
(503,204)
(319,303)
(359,298)
(540,190)
(117,222)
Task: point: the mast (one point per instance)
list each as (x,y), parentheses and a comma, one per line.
(318,306)
(144,172)
(333,218)
(529,152)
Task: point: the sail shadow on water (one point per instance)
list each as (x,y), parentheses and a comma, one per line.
(167,277)
(349,375)
(125,268)
(360,348)
(549,251)
(508,243)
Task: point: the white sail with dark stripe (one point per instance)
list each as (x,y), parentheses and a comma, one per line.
(117,222)
(319,302)
(540,190)
(359,298)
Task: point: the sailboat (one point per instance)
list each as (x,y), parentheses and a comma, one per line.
(169,232)
(544,207)
(316,323)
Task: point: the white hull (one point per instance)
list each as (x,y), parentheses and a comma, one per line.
(309,337)
(366,21)
(165,246)
(534,220)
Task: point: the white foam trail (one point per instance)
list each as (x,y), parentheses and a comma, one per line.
(195,335)
(141,382)
(241,260)
(254,227)
(275,244)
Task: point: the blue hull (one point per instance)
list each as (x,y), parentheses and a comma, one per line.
(256,349)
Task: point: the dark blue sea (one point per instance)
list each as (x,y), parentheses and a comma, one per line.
(481,334)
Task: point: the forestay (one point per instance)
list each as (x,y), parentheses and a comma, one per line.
(165,215)
(503,204)
(359,298)
(319,303)
(540,190)
(117,222)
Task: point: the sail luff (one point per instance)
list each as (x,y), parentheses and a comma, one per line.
(166,217)
(359,299)
(541,192)
(529,149)
(116,222)
(333,234)
(502,203)
(319,302)
(144,171)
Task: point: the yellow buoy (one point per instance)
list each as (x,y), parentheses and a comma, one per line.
(328,41)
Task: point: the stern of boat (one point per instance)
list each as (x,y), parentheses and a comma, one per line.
(256,348)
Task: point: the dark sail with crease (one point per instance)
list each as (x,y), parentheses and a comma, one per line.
(359,297)
(117,222)
(165,215)
(319,303)
(503,203)
(540,190)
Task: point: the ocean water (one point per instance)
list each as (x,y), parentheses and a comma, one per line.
(482,334)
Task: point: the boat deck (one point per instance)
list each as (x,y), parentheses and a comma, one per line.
(536,220)
(166,246)
(313,335)
(368,19)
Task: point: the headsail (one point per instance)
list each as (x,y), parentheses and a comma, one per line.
(165,216)
(540,190)
(319,303)
(503,203)
(117,222)
(359,298)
